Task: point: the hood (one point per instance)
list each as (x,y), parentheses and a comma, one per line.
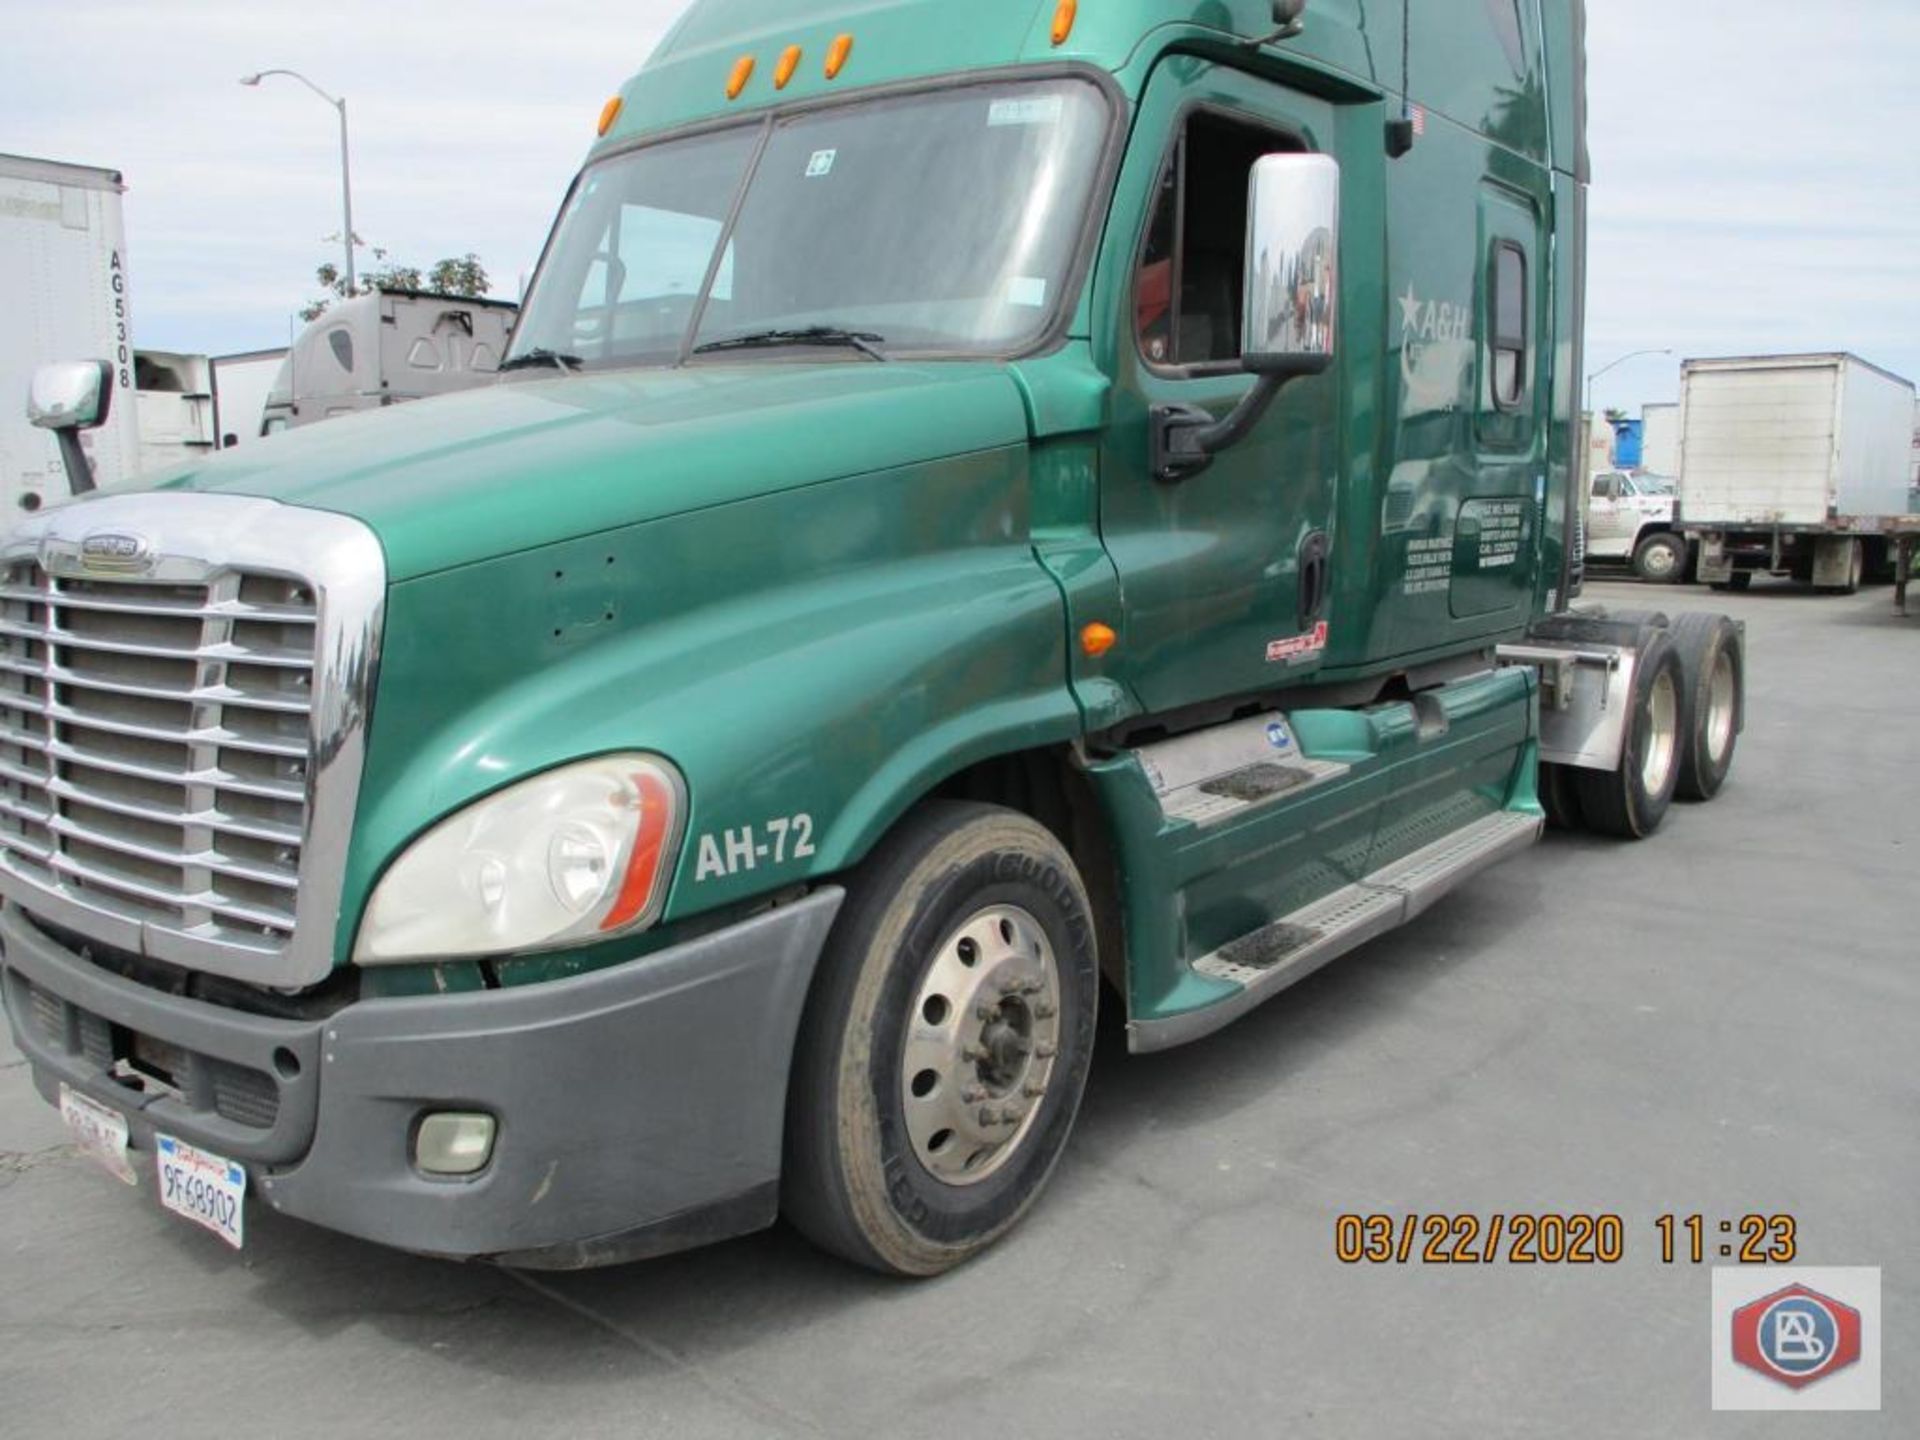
(526,463)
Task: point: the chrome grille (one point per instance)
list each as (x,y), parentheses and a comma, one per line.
(154,744)
(184,689)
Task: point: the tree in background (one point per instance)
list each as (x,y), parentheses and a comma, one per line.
(462,277)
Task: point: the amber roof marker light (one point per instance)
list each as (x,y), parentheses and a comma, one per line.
(789,62)
(742,73)
(610,112)
(1098,639)
(1063,18)
(837,55)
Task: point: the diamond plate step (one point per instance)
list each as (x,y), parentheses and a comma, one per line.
(1284,953)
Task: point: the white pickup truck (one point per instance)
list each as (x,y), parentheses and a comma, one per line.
(1630,518)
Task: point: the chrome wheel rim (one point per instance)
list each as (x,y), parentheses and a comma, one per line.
(982,1045)
(1720,708)
(1663,723)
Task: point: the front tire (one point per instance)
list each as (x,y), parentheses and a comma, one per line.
(946,1042)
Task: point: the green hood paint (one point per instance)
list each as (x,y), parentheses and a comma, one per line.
(447,482)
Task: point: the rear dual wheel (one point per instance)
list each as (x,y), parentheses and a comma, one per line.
(1631,800)
(1713,699)
(946,1042)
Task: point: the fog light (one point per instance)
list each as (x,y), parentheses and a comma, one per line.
(451,1143)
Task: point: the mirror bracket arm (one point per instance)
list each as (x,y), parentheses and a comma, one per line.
(74,458)
(1186,437)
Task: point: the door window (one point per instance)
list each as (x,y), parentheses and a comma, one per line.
(1189,300)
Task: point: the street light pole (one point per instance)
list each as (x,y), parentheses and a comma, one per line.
(1615,366)
(346,176)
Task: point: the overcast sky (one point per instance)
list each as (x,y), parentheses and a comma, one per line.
(1756,181)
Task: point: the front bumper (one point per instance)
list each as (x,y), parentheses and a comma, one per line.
(639,1108)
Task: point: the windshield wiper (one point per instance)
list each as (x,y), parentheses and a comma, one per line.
(540,355)
(860,340)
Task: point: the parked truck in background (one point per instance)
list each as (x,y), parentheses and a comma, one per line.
(191,405)
(1630,520)
(63,292)
(976,509)
(384,348)
(1795,465)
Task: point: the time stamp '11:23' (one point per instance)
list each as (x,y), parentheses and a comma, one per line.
(1558,1239)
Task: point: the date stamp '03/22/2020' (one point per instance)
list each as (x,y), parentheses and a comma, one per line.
(1554,1238)
(1782,1337)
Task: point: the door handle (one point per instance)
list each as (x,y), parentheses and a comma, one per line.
(1316,577)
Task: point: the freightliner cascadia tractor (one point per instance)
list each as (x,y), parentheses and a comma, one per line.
(994,510)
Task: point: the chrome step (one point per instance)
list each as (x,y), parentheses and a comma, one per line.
(1216,774)
(1284,953)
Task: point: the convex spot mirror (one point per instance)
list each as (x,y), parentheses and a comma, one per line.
(71,396)
(1293,265)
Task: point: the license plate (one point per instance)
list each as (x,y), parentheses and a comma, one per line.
(206,1188)
(98,1131)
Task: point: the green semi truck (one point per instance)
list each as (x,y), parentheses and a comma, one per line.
(992,511)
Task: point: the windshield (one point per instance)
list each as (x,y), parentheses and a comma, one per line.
(939,223)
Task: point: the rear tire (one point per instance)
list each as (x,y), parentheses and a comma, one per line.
(946,1042)
(1661,558)
(1558,796)
(1632,800)
(1713,701)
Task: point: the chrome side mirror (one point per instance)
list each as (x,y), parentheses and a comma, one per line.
(67,399)
(1293,265)
(1292,312)
(75,395)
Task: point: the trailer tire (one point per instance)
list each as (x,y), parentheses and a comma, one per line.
(1713,701)
(945,1044)
(1661,558)
(1631,800)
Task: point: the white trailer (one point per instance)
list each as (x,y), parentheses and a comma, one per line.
(63,296)
(1794,465)
(191,405)
(241,384)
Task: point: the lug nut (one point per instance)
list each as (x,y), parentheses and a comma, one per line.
(1044,1011)
(973,1094)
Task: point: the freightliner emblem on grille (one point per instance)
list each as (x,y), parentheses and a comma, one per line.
(105,552)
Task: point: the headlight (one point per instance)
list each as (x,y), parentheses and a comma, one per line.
(580,853)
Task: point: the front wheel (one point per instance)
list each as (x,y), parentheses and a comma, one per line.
(1661,559)
(946,1042)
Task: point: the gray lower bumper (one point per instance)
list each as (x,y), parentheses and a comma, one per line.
(640,1108)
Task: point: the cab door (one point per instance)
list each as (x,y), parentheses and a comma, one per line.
(1610,523)
(1225,574)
